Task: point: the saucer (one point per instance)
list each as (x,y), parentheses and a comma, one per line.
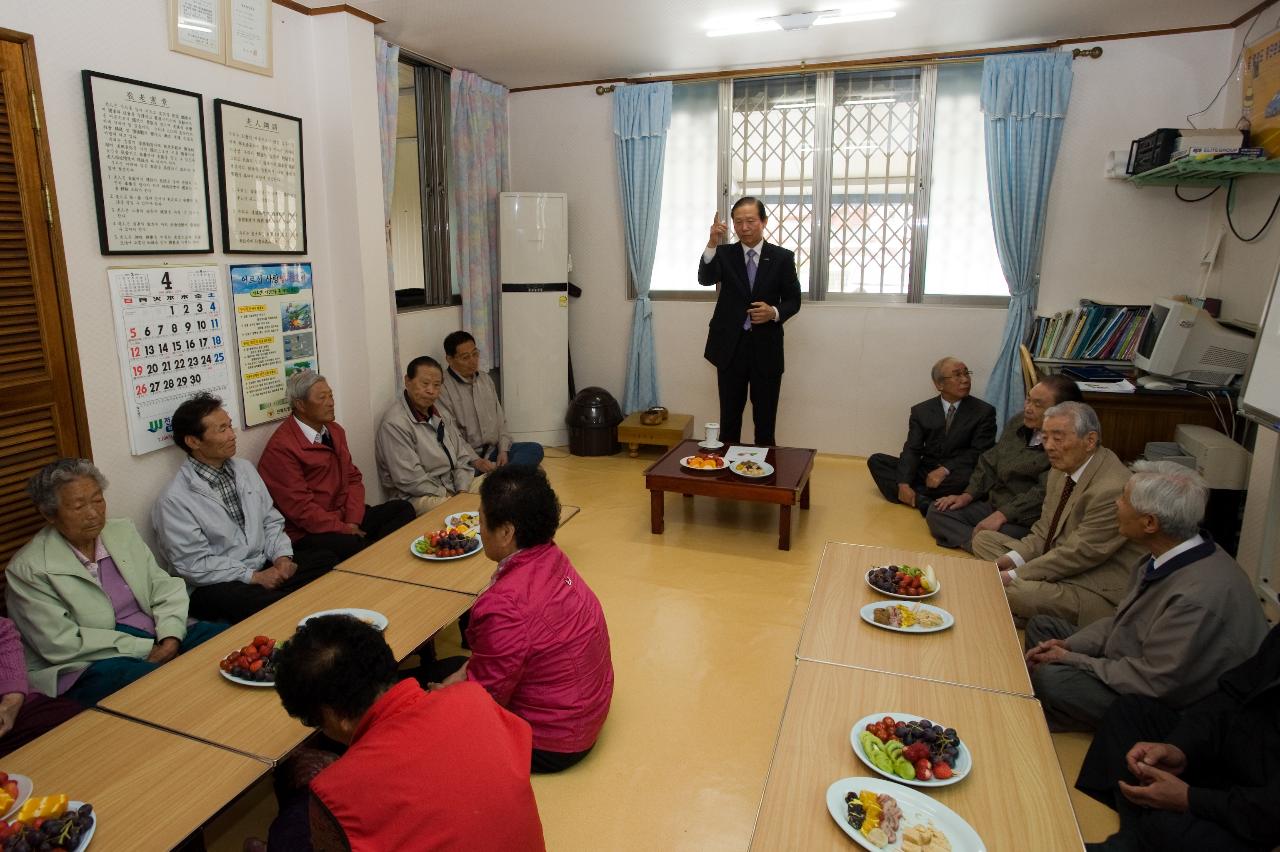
(710,445)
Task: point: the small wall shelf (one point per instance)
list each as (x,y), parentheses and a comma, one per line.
(1204,172)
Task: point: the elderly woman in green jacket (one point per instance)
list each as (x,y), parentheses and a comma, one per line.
(94,609)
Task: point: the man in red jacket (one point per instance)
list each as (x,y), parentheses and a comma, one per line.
(441,770)
(314,482)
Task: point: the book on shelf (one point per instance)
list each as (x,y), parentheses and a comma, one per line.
(1094,331)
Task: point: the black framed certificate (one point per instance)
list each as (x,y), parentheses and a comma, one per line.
(260,178)
(147,151)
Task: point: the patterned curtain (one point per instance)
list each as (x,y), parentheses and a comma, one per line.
(478,175)
(641,117)
(1024,98)
(387,66)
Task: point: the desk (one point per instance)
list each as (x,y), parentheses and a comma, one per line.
(1130,420)
(390,558)
(1014,798)
(981,650)
(787,486)
(189,697)
(149,788)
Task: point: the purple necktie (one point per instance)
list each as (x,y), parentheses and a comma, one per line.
(751,282)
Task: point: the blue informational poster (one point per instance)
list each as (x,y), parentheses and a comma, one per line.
(275,334)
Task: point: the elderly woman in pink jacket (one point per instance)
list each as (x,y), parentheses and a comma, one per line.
(539,643)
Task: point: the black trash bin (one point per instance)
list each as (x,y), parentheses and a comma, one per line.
(593,420)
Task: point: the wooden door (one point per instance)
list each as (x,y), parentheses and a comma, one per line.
(41,401)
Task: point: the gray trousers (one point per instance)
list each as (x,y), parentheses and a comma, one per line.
(954,527)
(1073,699)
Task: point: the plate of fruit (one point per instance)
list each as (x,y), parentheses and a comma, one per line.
(704,463)
(465,520)
(14,790)
(903,618)
(252,665)
(904,581)
(445,544)
(752,469)
(911,749)
(881,815)
(53,822)
(371,617)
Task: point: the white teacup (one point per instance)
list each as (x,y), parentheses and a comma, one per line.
(713,433)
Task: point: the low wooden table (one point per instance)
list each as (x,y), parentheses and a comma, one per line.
(390,558)
(150,789)
(788,485)
(668,433)
(981,650)
(190,697)
(1014,797)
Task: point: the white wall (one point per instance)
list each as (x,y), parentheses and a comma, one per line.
(422,332)
(324,74)
(854,370)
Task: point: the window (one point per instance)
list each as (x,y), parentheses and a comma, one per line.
(420,197)
(876,179)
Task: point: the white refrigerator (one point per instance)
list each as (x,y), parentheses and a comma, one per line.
(533,249)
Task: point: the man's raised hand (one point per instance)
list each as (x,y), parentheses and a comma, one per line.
(719,232)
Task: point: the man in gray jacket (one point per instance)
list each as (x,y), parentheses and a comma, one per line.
(469,395)
(217,527)
(422,458)
(1190,613)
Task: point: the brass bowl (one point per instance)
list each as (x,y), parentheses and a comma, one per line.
(653,416)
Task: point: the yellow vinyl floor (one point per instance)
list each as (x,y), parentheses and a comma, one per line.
(704,622)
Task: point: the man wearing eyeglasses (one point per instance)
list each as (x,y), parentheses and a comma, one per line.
(469,395)
(422,457)
(945,436)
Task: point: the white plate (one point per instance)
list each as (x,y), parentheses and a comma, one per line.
(371,617)
(229,676)
(917,809)
(878,591)
(472,520)
(684,463)
(766,470)
(431,558)
(711,445)
(964,760)
(24,792)
(868,615)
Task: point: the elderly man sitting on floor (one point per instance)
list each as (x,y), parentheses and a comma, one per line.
(1190,614)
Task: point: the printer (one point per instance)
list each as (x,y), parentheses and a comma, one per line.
(1222,462)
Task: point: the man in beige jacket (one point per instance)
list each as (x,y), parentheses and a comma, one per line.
(1074,563)
(1190,614)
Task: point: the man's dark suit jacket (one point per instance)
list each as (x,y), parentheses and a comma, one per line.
(776,284)
(973,432)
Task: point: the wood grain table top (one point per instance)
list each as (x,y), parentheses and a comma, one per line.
(791,469)
(1014,797)
(391,558)
(140,780)
(981,650)
(189,695)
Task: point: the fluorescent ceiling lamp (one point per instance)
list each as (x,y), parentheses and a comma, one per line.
(799,21)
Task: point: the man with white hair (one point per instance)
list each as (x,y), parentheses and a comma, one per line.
(1190,614)
(315,483)
(1074,563)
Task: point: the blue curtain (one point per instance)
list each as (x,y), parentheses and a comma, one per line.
(1024,99)
(641,116)
(387,69)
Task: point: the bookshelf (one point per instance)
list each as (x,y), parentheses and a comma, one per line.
(1092,333)
(1206,173)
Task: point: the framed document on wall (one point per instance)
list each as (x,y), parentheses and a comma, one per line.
(249,35)
(261,180)
(147,151)
(198,28)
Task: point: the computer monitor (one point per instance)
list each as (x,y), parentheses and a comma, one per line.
(1181,341)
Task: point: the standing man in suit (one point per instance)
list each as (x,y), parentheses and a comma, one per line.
(1075,563)
(759,291)
(945,436)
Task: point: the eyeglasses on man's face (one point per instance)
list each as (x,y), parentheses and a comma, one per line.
(960,374)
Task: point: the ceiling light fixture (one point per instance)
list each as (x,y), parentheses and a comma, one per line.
(800,21)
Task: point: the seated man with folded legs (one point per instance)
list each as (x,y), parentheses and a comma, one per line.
(315,483)
(422,458)
(1074,563)
(1190,614)
(1203,780)
(945,436)
(1006,490)
(216,525)
(469,395)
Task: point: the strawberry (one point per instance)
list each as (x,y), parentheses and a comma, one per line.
(941,771)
